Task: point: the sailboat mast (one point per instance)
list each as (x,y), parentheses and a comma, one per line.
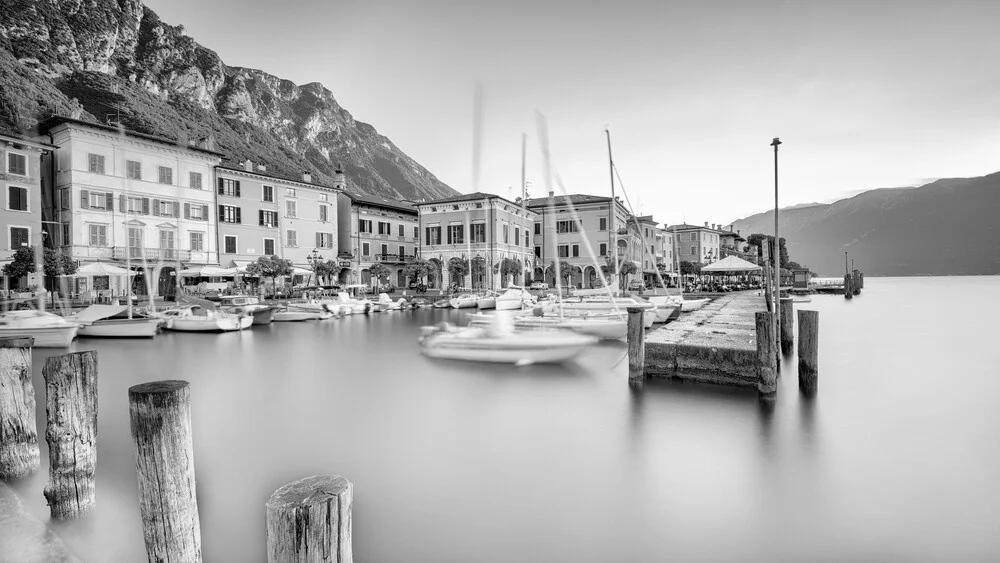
(613,208)
(524,197)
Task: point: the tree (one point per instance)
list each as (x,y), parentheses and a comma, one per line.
(479,270)
(509,267)
(54,263)
(566,271)
(379,273)
(328,269)
(758,240)
(22,263)
(626,268)
(690,268)
(457,268)
(270,267)
(792,266)
(416,271)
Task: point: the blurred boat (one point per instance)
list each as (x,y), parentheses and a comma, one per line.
(465,301)
(442,303)
(604,327)
(112,321)
(487,302)
(499,345)
(513,299)
(48,330)
(195,318)
(262,313)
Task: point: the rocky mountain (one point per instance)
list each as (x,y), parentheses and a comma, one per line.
(99,58)
(946,227)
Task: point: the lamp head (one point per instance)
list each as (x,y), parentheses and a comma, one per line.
(775,142)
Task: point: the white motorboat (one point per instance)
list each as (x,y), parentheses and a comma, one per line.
(688,305)
(513,299)
(262,313)
(604,327)
(387,304)
(286,315)
(491,344)
(48,330)
(668,307)
(108,321)
(444,303)
(465,301)
(196,319)
(487,302)
(599,306)
(351,306)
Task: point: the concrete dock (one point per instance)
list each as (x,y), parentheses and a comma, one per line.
(716,344)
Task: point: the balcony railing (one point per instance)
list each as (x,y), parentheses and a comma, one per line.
(156,254)
(393,258)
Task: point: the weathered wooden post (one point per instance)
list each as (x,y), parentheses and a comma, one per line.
(861,279)
(808,350)
(18,432)
(71,432)
(787,338)
(767,381)
(856,282)
(636,347)
(309,520)
(848,289)
(160,416)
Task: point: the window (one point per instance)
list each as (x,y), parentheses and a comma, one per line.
(229,244)
(64,198)
(197,242)
(135,205)
(291,208)
(694,250)
(268,218)
(433,235)
(269,193)
(165,208)
(135,242)
(538,228)
(324,197)
(323,213)
(527,243)
(604,249)
(167,244)
(98,235)
(602,224)
(195,180)
(195,212)
(17,198)
(566,227)
(17,164)
(19,237)
(165,175)
(269,247)
(401,231)
(365,225)
(456,234)
(66,239)
(229,214)
(324,240)
(402,251)
(506,234)
(478,232)
(416,233)
(95,163)
(384,228)
(538,252)
(133,170)
(365,249)
(229,187)
(576,251)
(291,238)
(564,251)
(694,236)
(517,235)
(385,249)
(290,192)
(97,200)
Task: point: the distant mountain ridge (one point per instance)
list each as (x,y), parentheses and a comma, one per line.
(95,58)
(947,227)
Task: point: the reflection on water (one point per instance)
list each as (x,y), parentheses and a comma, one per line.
(893,459)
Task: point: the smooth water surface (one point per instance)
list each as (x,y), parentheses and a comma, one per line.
(895,459)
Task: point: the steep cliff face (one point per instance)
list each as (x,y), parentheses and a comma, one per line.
(106,57)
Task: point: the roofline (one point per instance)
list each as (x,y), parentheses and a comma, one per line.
(16,139)
(279,178)
(357,198)
(469,197)
(47,125)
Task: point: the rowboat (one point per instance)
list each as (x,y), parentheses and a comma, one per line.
(108,321)
(488,344)
(48,330)
(465,301)
(195,319)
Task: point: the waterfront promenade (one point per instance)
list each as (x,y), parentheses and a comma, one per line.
(715,344)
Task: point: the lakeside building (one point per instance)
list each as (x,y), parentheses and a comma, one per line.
(731,243)
(120,195)
(697,244)
(664,253)
(482,229)
(21,216)
(582,242)
(377,231)
(260,214)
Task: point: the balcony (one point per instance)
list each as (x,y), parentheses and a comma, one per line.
(393,258)
(152,254)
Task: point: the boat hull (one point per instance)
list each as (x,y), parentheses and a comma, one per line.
(45,337)
(293,316)
(508,305)
(689,305)
(263,316)
(122,328)
(609,329)
(487,303)
(209,324)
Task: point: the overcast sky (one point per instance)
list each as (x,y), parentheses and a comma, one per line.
(863,94)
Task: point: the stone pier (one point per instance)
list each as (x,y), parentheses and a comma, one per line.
(716,344)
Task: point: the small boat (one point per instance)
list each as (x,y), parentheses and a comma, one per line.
(385,303)
(491,344)
(48,330)
(351,306)
(606,328)
(112,321)
(688,305)
(194,318)
(442,303)
(319,311)
(286,315)
(513,299)
(487,302)
(666,308)
(465,301)
(262,313)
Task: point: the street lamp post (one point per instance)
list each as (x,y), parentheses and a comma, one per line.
(314,259)
(777,245)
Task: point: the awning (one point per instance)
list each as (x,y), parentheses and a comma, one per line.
(241,266)
(208,272)
(730,264)
(101,269)
(299,270)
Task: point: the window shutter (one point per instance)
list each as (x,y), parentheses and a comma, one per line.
(427,235)
(319,240)
(204,213)
(122,203)
(156,207)
(239,218)
(260,217)
(187,210)
(237,188)
(177,209)
(145,206)
(222,213)
(110,198)
(84,199)
(449,234)
(220,185)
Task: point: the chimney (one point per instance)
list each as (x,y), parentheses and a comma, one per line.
(261,168)
(339,180)
(248,165)
(706,223)
(307,177)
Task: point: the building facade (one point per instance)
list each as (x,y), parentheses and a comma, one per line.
(266,215)
(697,244)
(21,213)
(129,197)
(376,231)
(482,229)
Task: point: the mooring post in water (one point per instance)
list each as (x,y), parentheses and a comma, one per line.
(636,347)
(856,282)
(71,432)
(160,416)
(767,362)
(787,337)
(309,521)
(808,350)
(18,432)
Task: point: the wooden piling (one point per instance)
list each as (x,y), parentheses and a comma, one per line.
(856,282)
(309,521)
(787,336)
(808,350)
(160,416)
(18,432)
(71,432)
(861,279)
(767,361)
(848,289)
(636,347)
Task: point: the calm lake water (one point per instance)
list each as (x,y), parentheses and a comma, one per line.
(895,459)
